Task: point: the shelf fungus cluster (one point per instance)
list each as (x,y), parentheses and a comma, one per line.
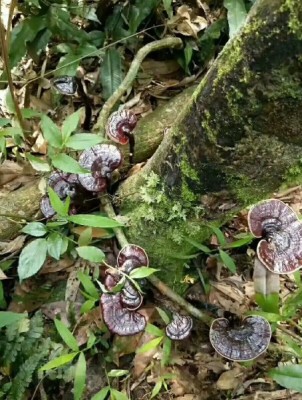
(280,247)
(101,160)
(120,309)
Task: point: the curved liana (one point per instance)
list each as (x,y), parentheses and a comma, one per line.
(180,327)
(280,250)
(242,341)
(101,160)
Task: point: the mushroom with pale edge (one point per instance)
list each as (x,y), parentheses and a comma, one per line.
(243,341)
(280,248)
(119,310)
(101,160)
(180,327)
(119,128)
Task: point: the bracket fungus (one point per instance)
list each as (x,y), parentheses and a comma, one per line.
(243,341)
(180,327)
(120,309)
(64,185)
(66,85)
(280,250)
(119,319)
(101,160)
(134,255)
(119,129)
(120,125)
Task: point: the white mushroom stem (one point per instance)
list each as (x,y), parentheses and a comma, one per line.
(265,282)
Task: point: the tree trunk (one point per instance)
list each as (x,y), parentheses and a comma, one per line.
(237,140)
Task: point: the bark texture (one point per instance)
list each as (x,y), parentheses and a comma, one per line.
(236,141)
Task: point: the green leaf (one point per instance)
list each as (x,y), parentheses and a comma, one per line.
(55,224)
(227,261)
(66,335)
(268,303)
(152,344)
(239,243)
(156,388)
(83,141)
(95,221)
(32,258)
(236,15)
(140,11)
(91,253)
(102,394)
(168,8)
(115,373)
(164,316)
(270,316)
(198,245)
(28,113)
(8,318)
(67,164)
(87,306)
(167,345)
(56,245)
(288,376)
(3,303)
(118,395)
(154,330)
(85,237)
(59,361)
(79,377)
(88,285)
(57,204)
(4,122)
(35,229)
(220,236)
(24,31)
(38,163)
(111,72)
(51,132)
(70,125)
(142,272)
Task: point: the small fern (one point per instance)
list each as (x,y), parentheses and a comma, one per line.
(22,351)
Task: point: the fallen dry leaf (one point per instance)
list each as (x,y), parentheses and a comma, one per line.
(229,380)
(13,245)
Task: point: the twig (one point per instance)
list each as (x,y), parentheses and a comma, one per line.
(157,283)
(169,42)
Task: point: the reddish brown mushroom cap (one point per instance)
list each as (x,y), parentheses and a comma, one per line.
(282,252)
(102,160)
(132,254)
(281,248)
(180,327)
(270,215)
(119,319)
(131,298)
(240,343)
(119,125)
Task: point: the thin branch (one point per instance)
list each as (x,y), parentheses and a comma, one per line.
(169,42)
(4,45)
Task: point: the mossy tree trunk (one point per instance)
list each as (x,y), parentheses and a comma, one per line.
(238,139)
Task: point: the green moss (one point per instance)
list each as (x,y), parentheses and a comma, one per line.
(294,8)
(293,176)
(207,126)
